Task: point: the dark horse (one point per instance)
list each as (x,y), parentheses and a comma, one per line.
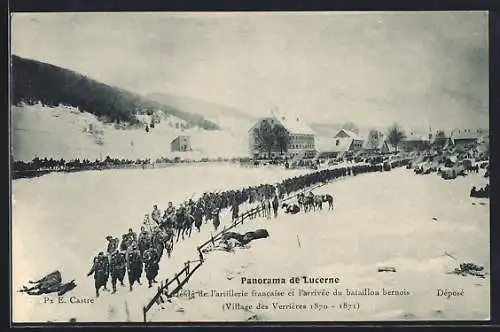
(313,202)
(327,198)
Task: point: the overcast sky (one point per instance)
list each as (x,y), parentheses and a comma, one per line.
(370,68)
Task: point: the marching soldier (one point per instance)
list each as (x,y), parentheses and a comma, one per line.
(100,270)
(118,264)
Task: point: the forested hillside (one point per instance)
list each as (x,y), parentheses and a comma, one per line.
(34,81)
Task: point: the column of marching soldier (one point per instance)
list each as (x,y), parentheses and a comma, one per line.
(136,254)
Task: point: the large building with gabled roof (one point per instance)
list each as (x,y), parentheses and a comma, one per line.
(301,143)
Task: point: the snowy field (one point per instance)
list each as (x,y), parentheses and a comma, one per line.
(380,219)
(60,221)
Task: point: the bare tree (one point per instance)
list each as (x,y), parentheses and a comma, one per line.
(395,135)
(374,137)
(282,137)
(265,138)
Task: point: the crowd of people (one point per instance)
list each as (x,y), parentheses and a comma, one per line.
(41,166)
(138,253)
(31,168)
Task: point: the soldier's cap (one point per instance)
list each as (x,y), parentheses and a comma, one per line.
(101,254)
(130,230)
(109,237)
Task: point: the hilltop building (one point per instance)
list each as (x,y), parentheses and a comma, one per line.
(181,144)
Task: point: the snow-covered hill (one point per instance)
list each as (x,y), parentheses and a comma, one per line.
(65,132)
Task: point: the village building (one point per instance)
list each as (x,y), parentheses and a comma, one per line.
(181,144)
(339,145)
(328,148)
(380,145)
(464,139)
(414,142)
(352,141)
(301,144)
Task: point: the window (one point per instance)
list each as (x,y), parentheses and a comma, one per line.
(337,142)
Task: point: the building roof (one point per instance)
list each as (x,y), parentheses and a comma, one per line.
(440,138)
(293,126)
(179,136)
(465,134)
(329,144)
(350,134)
(416,137)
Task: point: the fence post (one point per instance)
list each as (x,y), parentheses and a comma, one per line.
(200,254)
(186,264)
(144,314)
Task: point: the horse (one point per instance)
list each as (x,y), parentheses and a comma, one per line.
(328,198)
(318,202)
